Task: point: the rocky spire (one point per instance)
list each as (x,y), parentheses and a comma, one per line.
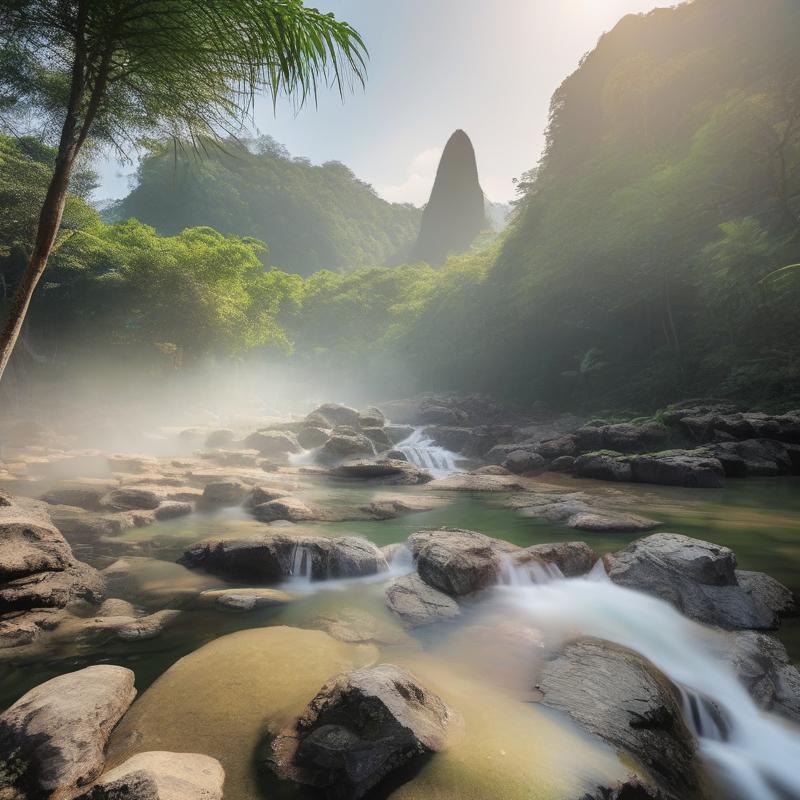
(455,212)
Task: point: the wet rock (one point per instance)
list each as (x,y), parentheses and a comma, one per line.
(751,458)
(391,507)
(130,498)
(396,455)
(132,463)
(335,414)
(571,558)
(562,464)
(85,494)
(390,471)
(60,728)
(79,523)
(359,728)
(171,509)
(309,437)
(263,494)
(271,557)
(764,667)
(417,603)
(148,627)
(697,577)
(623,437)
(479,482)
(20,628)
(371,417)
(455,561)
(679,468)
(602,521)
(767,591)
(552,449)
(524,461)
(454,439)
(222,437)
(704,427)
(398,433)
(273,444)
(115,607)
(618,696)
(246,599)
(379,438)
(341,447)
(223,493)
(354,625)
(159,775)
(284,508)
(633,788)
(603,466)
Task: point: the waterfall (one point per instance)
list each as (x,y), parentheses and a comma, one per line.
(300,569)
(421,451)
(531,573)
(304,458)
(756,755)
(401,562)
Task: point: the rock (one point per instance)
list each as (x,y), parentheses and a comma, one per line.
(455,561)
(630,789)
(147,627)
(371,418)
(618,696)
(85,494)
(417,603)
(625,437)
(697,577)
(222,437)
(524,461)
(451,438)
(603,466)
(19,628)
(398,433)
(158,775)
(705,425)
(474,482)
(129,498)
(172,509)
(391,507)
(271,557)
(115,607)
(679,468)
(284,508)
(223,493)
(132,463)
(434,414)
(552,449)
(767,591)
(263,494)
(562,464)
(602,521)
(763,666)
(343,446)
(60,728)
(751,458)
(273,444)
(571,558)
(79,523)
(379,438)
(246,599)
(309,437)
(491,469)
(354,625)
(386,471)
(359,728)
(335,414)
(396,455)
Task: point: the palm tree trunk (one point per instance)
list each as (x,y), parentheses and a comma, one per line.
(49,222)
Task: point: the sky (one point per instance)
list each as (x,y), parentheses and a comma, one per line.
(487,66)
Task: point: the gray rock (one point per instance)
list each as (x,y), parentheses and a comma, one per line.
(697,577)
(562,464)
(379,438)
(451,438)
(310,437)
(147,627)
(263,494)
(603,466)
(398,433)
(678,468)
(371,417)
(390,471)
(341,447)
(271,557)
(751,458)
(359,728)
(618,696)
(417,603)
(158,775)
(85,494)
(602,521)
(552,449)
(284,508)
(129,498)
(60,728)
(171,509)
(222,437)
(223,493)
(524,461)
(273,444)
(334,414)
(765,589)
(572,558)
(625,437)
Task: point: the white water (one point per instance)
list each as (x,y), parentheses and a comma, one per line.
(421,451)
(300,571)
(304,458)
(757,757)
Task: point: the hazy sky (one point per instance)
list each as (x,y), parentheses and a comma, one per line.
(487,66)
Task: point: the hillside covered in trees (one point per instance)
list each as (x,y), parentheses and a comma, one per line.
(643,262)
(313,217)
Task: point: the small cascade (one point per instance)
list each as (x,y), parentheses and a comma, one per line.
(532,573)
(401,562)
(421,451)
(304,458)
(300,570)
(754,754)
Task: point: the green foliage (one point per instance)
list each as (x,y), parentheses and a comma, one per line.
(313,217)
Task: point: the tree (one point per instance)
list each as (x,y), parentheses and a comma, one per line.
(121,70)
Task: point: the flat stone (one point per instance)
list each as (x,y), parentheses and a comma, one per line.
(602,521)
(417,603)
(172,509)
(246,599)
(147,627)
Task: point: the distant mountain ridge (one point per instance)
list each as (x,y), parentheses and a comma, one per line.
(312,217)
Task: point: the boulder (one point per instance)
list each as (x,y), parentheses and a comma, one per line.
(391,471)
(616,695)
(479,482)
(602,521)
(378,437)
(359,728)
(309,437)
(334,414)
(158,775)
(455,561)
(751,457)
(273,444)
(19,628)
(116,607)
(767,591)
(571,558)
(284,508)
(417,603)
(398,433)
(263,494)
(60,728)
(396,455)
(371,417)
(171,509)
(705,426)
(762,664)
(245,599)
(603,466)
(223,493)
(698,578)
(130,498)
(562,464)
(678,468)
(222,437)
(524,461)
(451,438)
(341,447)
(625,437)
(271,557)
(551,449)
(147,627)
(85,494)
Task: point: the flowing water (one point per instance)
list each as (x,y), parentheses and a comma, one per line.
(260,674)
(423,452)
